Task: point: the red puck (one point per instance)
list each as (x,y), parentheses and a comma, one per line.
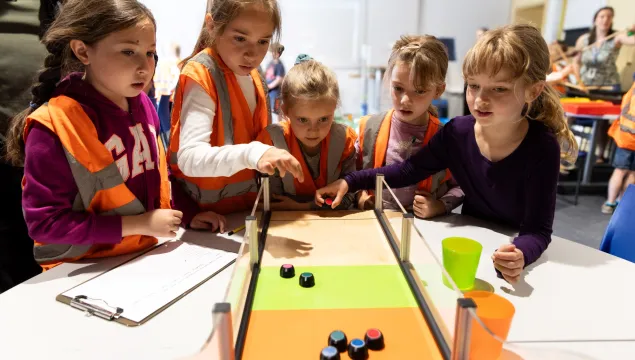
(328,201)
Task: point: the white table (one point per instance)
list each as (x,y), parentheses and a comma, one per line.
(574,298)
(33,325)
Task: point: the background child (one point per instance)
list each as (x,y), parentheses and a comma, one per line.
(506,155)
(416,74)
(274,76)
(623,132)
(326,151)
(220,107)
(96,131)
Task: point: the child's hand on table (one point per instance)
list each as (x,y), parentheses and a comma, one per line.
(365,201)
(209,220)
(425,206)
(510,261)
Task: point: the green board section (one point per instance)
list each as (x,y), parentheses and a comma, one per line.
(336,287)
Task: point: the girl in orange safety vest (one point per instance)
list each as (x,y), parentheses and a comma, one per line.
(220,107)
(416,74)
(95,176)
(326,150)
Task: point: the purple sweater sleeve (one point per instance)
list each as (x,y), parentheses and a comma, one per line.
(49,193)
(540,204)
(183,202)
(431,159)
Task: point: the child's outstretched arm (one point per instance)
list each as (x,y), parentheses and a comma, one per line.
(196,158)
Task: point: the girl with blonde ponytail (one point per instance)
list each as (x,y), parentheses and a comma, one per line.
(506,155)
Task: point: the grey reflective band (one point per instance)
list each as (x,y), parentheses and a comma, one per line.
(335,151)
(628,116)
(224,101)
(209,196)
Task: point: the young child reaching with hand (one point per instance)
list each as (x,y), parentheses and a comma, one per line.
(95,177)
(326,150)
(220,107)
(416,74)
(506,155)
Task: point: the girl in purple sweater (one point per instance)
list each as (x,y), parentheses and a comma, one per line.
(506,155)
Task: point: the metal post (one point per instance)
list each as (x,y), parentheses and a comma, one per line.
(266,194)
(223,328)
(462,329)
(406,227)
(379,190)
(251,228)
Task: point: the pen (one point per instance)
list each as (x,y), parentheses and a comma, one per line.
(238,229)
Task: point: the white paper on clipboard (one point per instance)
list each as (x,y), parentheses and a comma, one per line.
(147,283)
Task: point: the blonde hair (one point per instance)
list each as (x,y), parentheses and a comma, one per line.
(309,80)
(522,50)
(224,11)
(427,58)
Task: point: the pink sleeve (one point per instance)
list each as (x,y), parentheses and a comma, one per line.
(454,197)
(49,193)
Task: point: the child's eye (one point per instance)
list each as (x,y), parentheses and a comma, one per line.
(128,52)
(303,120)
(500,89)
(239,38)
(420,92)
(398,88)
(324,119)
(263,42)
(151,54)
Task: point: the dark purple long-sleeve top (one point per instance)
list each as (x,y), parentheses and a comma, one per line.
(519,190)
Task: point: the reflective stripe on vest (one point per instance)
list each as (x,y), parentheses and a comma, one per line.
(627,121)
(370,133)
(101,190)
(336,145)
(211,196)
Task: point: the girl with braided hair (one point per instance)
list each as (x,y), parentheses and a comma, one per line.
(95,181)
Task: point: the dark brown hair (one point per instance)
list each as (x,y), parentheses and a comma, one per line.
(427,58)
(592,32)
(224,11)
(87,20)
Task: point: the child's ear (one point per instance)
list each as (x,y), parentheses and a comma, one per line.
(535,90)
(80,49)
(440,91)
(209,22)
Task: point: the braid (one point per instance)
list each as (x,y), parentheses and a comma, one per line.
(42,91)
(48,77)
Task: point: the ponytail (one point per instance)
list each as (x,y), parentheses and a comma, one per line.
(548,110)
(41,92)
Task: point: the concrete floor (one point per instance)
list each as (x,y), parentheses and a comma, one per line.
(584,223)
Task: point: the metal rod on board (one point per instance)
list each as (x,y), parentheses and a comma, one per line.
(406,226)
(379,181)
(251,225)
(462,329)
(266,193)
(223,323)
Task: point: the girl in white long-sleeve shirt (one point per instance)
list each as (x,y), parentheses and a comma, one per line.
(220,106)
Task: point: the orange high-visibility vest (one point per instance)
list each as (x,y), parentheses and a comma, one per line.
(338,146)
(623,130)
(233,124)
(101,189)
(374,133)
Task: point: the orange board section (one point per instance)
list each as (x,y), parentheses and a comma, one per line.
(302,334)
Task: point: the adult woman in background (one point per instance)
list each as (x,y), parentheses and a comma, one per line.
(597,63)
